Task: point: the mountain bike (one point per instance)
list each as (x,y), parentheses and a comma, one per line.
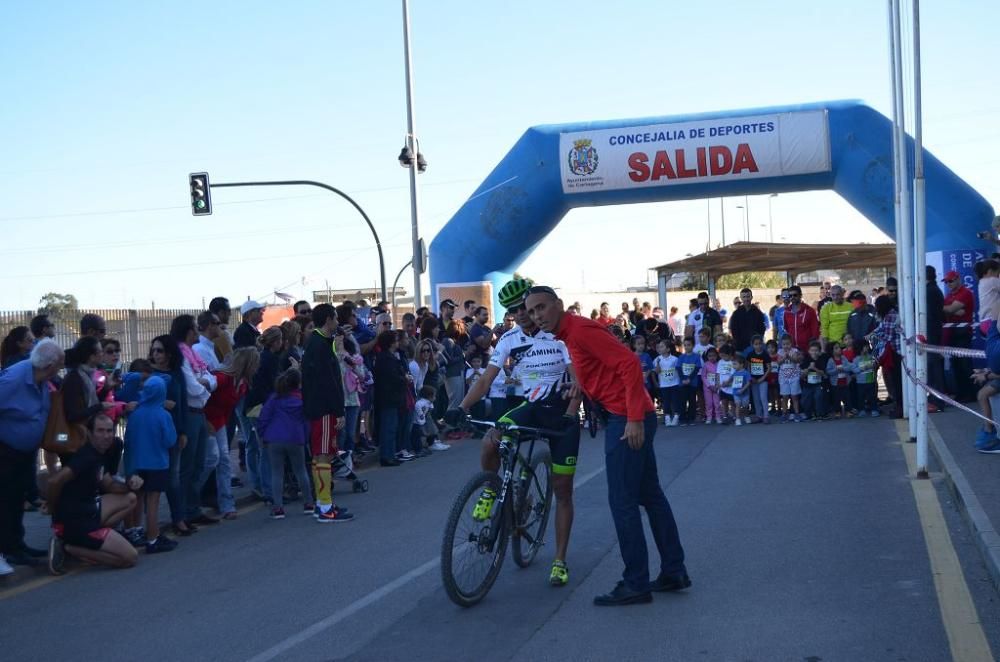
(474,547)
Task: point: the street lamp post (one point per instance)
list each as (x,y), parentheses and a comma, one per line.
(770,217)
(309,182)
(394,283)
(411,143)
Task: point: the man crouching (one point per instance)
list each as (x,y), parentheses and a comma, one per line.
(86,504)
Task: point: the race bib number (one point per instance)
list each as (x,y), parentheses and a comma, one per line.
(774,367)
(757,369)
(713,378)
(687,369)
(814,378)
(670,374)
(737,382)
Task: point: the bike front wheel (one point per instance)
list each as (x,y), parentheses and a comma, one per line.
(473,550)
(532,505)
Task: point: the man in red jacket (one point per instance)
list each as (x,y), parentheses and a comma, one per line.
(801,321)
(612,377)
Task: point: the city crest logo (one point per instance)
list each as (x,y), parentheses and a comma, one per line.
(583,158)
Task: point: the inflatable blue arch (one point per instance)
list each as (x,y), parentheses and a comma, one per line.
(841,145)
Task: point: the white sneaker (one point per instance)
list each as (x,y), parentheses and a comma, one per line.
(738,422)
(438,446)
(676,420)
(746,419)
(5,568)
(666,421)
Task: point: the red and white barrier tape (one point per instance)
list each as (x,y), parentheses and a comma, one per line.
(941,396)
(948,351)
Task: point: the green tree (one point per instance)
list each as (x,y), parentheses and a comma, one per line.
(54,302)
(751,279)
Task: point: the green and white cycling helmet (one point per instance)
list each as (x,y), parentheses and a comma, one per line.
(514,291)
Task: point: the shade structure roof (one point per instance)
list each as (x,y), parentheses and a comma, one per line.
(794,258)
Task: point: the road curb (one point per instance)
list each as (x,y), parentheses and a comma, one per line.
(983,532)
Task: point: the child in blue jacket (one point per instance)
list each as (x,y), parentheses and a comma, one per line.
(689,364)
(149,436)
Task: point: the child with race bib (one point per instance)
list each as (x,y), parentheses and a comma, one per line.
(710,386)
(725,370)
(690,367)
(741,385)
(840,371)
(864,375)
(813,375)
(666,367)
(759,367)
(790,385)
(773,395)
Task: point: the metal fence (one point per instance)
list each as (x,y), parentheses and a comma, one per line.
(134,329)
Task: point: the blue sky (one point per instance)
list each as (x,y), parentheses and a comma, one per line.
(108,106)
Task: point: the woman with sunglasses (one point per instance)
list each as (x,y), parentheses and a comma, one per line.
(166,359)
(16,346)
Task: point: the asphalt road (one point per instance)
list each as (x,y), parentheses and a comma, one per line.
(803,543)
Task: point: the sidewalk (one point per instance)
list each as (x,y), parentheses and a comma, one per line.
(37,525)
(973,478)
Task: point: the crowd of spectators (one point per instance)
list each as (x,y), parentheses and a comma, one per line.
(302,401)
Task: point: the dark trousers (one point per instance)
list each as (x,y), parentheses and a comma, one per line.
(814,400)
(961,367)
(867,397)
(935,375)
(633,482)
(17,471)
(670,400)
(688,403)
(192,461)
(842,396)
(388,430)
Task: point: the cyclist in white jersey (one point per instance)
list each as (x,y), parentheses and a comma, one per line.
(542,365)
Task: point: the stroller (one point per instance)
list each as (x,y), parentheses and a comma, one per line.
(342,467)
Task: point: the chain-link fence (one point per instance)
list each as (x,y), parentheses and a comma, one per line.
(134,329)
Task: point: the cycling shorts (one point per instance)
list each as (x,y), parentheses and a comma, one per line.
(564,447)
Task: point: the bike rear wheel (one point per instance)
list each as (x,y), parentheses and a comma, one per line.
(472,551)
(532,504)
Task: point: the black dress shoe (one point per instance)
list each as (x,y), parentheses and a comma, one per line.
(622,595)
(203,519)
(34,552)
(666,583)
(389,463)
(20,558)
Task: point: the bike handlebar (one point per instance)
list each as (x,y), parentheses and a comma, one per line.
(514,427)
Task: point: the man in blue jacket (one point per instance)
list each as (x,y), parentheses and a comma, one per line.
(24,410)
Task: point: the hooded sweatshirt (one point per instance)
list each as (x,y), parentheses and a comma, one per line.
(150,433)
(283,421)
(802,325)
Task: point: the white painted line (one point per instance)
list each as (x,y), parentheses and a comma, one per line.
(581,481)
(346,612)
(373,597)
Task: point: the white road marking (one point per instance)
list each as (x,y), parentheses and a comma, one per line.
(373,597)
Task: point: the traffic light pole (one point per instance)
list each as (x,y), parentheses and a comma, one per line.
(309,182)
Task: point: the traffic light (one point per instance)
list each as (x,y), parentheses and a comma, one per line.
(201,196)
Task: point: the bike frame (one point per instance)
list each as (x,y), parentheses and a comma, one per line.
(510,452)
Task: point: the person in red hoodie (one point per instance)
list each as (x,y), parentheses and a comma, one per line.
(801,321)
(234,380)
(609,374)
